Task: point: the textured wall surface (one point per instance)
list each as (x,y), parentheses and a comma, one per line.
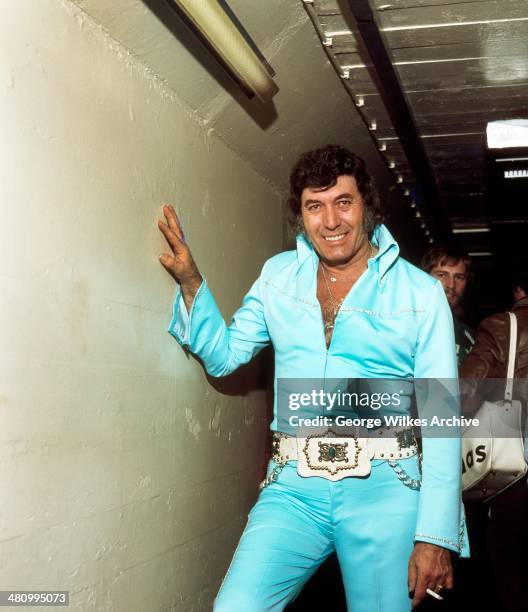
(125,476)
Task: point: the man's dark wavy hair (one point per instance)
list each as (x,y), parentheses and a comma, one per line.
(321,168)
(448,253)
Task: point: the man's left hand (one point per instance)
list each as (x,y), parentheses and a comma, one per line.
(429,568)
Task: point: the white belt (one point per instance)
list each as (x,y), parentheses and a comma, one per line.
(334,456)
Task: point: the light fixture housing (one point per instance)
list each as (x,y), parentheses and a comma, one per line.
(221,31)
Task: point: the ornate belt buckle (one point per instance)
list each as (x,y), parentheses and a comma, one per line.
(332,456)
(331,451)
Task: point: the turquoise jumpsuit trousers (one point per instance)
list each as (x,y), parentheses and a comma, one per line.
(297,522)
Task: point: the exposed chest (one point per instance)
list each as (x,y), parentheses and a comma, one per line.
(331,296)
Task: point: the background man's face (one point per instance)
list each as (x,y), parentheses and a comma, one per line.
(333,220)
(453,276)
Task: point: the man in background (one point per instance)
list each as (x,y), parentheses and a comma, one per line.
(498,529)
(451,265)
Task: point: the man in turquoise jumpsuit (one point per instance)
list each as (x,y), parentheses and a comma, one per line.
(343,305)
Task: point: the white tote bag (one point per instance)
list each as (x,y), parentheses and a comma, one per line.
(490,464)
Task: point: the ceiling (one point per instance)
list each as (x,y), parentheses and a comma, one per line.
(459,64)
(269,137)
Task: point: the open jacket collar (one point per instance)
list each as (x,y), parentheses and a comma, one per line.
(381,237)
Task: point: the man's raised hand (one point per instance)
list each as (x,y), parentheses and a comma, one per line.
(180,264)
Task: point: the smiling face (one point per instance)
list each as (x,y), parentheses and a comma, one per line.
(333,220)
(453,276)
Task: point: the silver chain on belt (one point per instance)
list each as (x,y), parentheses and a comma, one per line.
(413,483)
(273,475)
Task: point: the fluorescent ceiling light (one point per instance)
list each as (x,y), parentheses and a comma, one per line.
(513,174)
(451,24)
(509,133)
(516,174)
(414,62)
(332,34)
(353,66)
(216,23)
(450,134)
(480,254)
(471,230)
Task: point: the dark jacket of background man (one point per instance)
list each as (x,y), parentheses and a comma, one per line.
(498,529)
(489,357)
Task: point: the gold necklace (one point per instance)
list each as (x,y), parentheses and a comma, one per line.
(329,324)
(333,279)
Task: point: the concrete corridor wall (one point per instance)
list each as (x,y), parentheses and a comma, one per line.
(125,477)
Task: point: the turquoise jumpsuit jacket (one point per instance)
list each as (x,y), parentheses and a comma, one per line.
(395,323)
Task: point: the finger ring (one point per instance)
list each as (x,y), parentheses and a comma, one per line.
(435,595)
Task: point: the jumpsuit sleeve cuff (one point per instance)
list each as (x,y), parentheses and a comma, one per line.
(438,540)
(458,544)
(180,325)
